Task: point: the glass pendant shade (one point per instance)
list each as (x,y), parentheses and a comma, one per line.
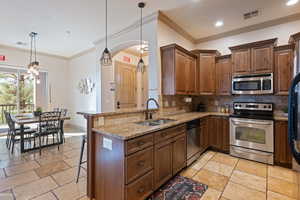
(141,66)
(106,58)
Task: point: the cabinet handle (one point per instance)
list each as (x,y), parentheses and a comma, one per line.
(141,190)
(141,163)
(140,143)
(163,134)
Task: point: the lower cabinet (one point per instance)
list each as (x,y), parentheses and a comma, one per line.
(204,134)
(282,153)
(169,159)
(218,133)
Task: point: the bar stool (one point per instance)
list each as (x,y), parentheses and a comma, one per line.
(81,156)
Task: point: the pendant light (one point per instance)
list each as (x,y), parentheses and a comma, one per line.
(141,64)
(33,66)
(106,56)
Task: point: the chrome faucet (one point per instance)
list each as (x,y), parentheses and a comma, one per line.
(147,113)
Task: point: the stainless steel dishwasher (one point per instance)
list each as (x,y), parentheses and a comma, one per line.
(193,141)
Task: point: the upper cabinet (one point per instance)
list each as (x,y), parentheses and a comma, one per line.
(223,75)
(179,71)
(253,58)
(283,68)
(207,71)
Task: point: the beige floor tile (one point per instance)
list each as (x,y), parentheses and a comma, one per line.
(18,169)
(213,180)
(275,196)
(225,159)
(219,168)
(47,196)
(2,175)
(68,175)
(73,162)
(283,173)
(6,195)
(208,155)
(11,162)
(19,179)
(283,187)
(84,198)
(72,154)
(71,190)
(189,173)
(200,163)
(51,168)
(251,167)
(235,191)
(50,159)
(211,194)
(223,198)
(249,180)
(34,189)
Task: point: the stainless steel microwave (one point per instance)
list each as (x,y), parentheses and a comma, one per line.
(253,84)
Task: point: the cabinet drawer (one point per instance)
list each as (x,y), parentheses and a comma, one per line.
(141,188)
(169,133)
(137,144)
(138,164)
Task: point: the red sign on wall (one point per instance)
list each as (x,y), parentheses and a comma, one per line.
(126,59)
(2,58)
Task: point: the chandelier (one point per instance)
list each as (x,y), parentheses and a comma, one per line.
(33,67)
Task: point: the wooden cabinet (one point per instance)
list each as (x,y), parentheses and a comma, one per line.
(204,134)
(218,128)
(284,56)
(178,71)
(241,61)
(207,71)
(223,75)
(179,153)
(253,58)
(282,153)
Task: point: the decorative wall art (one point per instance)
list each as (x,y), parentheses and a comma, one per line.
(86,86)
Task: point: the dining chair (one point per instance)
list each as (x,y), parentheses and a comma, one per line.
(83,141)
(49,125)
(15,133)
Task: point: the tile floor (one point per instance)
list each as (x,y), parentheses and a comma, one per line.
(230,178)
(52,176)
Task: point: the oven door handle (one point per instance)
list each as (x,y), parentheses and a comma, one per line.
(237,122)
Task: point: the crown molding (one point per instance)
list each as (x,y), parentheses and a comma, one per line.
(131,52)
(28,51)
(135,25)
(81,53)
(254,27)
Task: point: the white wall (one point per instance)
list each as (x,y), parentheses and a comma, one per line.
(282,32)
(79,68)
(56,67)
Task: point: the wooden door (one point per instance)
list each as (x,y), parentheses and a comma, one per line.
(262,59)
(207,74)
(125,85)
(283,71)
(179,153)
(181,62)
(283,156)
(162,163)
(223,76)
(191,76)
(204,134)
(241,61)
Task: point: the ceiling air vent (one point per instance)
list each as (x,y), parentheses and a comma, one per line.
(251,14)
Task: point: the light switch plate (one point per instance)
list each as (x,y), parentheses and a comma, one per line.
(107,143)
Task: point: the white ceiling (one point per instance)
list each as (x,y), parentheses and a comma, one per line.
(52,19)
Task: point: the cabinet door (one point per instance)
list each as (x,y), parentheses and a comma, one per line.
(207,74)
(225,135)
(262,59)
(283,156)
(162,163)
(223,76)
(283,71)
(212,132)
(191,76)
(204,135)
(180,70)
(241,61)
(179,153)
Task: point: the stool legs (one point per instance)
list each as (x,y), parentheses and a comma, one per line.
(81,156)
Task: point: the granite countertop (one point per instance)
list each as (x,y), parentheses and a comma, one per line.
(280,118)
(120,111)
(128,131)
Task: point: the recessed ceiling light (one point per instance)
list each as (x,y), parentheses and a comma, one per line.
(291,2)
(219,23)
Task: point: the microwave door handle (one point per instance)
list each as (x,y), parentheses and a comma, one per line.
(237,122)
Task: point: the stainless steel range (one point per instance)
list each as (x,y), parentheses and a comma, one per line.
(252,131)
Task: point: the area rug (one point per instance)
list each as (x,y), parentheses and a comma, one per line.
(180,188)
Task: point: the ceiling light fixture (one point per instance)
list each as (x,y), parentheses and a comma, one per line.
(106,55)
(33,67)
(141,64)
(219,23)
(291,2)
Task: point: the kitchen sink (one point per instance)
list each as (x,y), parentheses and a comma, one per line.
(156,122)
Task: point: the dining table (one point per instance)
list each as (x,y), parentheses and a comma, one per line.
(29,118)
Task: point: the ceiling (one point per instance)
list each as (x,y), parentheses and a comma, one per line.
(67,27)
